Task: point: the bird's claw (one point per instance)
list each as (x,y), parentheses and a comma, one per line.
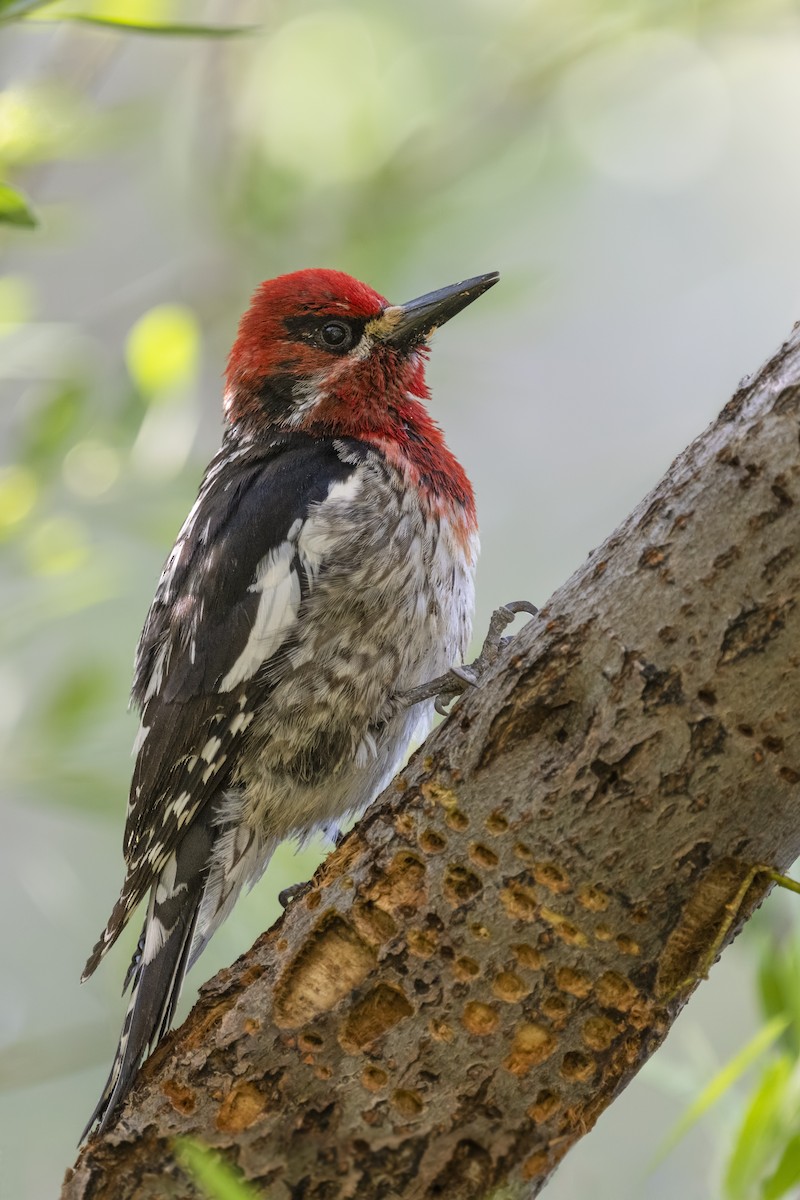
(455,682)
(519,606)
(465,675)
(293,892)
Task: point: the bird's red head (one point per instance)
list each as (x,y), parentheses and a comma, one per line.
(319,352)
(296,335)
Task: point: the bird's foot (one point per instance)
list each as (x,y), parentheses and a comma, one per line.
(293,892)
(456,681)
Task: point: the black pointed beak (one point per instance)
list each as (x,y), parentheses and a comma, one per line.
(407,325)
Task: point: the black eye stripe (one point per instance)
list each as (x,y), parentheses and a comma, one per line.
(337,335)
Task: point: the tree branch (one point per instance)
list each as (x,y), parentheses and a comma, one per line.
(510,932)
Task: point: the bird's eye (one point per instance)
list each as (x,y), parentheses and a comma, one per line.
(336,335)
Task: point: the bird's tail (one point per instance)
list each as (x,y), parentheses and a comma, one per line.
(159,965)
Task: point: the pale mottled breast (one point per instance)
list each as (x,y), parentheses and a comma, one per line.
(389,606)
(391,578)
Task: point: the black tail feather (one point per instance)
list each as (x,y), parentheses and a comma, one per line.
(157,969)
(156,990)
(135,963)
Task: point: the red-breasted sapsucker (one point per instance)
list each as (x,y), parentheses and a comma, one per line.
(323,576)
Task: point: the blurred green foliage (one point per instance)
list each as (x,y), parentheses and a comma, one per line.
(758,1088)
(765,1158)
(717,1087)
(216,1179)
(15,209)
(135,16)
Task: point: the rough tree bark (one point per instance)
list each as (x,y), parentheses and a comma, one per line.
(499,945)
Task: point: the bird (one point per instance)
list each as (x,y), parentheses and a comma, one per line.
(317,599)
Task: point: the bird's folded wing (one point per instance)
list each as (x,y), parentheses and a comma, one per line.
(216,636)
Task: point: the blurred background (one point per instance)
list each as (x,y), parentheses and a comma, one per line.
(632,170)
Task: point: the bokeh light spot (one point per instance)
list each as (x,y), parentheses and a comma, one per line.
(57,546)
(90,468)
(16,301)
(335,95)
(20,125)
(162,350)
(18,491)
(164,441)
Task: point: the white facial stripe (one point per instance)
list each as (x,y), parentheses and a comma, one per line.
(307,393)
(363,348)
(228,401)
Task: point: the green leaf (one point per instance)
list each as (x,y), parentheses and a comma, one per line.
(761,1132)
(779,987)
(12,10)
(786,1174)
(721,1082)
(169,29)
(14,208)
(215,1177)
(771,982)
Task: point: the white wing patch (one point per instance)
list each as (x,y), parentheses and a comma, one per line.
(345,491)
(317,538)
(240,722)
(279,585)
(210,749)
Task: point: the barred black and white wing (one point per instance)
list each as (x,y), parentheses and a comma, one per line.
(215,640)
